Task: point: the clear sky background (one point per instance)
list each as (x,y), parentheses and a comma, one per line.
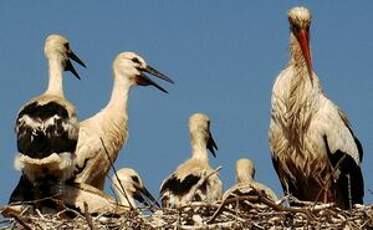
(223,56)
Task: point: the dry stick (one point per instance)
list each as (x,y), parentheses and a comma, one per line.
(201,182)
(88,217)
(217,212)
(263,199)
(115,173)
(20,221)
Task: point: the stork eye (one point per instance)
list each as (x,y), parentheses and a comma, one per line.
(136,60)
(67,46)
(135,179)
(295,28)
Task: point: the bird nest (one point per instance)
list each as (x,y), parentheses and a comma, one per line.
(243,212)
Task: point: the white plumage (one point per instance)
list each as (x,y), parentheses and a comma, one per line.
(315,153)
(92,163)
(246,185)
(179,188)
(47,127)
(129,186)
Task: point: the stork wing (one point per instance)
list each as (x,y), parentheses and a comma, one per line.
(174,186)
(23,191)
(43,129)
(179,186)
(345,153)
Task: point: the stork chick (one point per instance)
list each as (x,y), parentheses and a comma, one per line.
(127,182)
(92,163)
(246,185)
(47,127)
(314,150)
(179,188)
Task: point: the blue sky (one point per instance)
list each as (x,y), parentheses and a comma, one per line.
(223,56)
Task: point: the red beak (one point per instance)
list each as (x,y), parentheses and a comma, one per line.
(303,38)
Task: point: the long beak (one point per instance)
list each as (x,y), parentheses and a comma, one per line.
(69,65)
(145,197)
(303,38)
(156,73)
(211,145)
(144,80)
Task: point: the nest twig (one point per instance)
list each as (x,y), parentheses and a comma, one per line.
(226,214)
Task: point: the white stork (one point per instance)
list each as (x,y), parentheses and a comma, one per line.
(103,135)
(47,128)
(246,185)
(314,150)
(128,187)
(179,188)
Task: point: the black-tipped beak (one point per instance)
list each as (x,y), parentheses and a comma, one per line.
(143,196)
(158,74)
(144,80)
(69,65)
(75,58)
(211,145)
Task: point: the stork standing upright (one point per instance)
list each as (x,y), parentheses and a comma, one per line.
(314,150)
(47,129)
(245,183)
(129,186)
(103,135)
(194,180)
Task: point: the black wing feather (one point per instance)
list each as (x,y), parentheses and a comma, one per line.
(37,141)
(350,181)
(180,187)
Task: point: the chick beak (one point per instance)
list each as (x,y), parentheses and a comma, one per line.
(69,65)
(143,196)
(211,145)
(144,80)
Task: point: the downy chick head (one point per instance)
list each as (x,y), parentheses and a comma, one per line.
(58,48)
(133,67)
(245,170)
(199,129)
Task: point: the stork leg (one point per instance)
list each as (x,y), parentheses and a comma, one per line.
(349,191)
(57,189)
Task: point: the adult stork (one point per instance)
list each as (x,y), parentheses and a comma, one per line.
(314,150)
(194,180)
(102,136)
(246,185)
(47,128)
(129,186)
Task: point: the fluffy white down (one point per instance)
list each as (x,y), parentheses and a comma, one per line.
(59,165)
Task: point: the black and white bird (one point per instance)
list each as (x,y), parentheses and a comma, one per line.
(194,180)
(316,154)
(246,185)
(47,128)
(129,188)
(103,135)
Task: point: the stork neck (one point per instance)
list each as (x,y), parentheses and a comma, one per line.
(199,148)
(301,86)
(55,71)
(119,96)
(122,199)
(243,178)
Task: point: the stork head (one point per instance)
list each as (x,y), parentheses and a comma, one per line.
(131,182)
(199,128)
(245,170)
(58,47)
(134,67)
(300,22)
